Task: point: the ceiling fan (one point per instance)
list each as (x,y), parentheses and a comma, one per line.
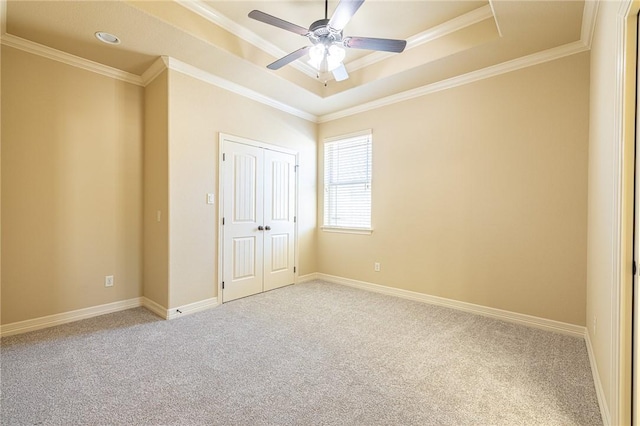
(327,50)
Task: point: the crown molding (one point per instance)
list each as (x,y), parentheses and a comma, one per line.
(492,71)
(153,71)
(69,59)
(206,11)
(495,17)
(209,13)
(197,73)
(589,15)
(150,74)
(162,63)
(453,25)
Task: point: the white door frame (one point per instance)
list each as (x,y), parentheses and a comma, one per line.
(635,355)
(620,393)
(238,139)
(635,293)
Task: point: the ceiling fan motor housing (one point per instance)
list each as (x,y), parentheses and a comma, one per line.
(320,32)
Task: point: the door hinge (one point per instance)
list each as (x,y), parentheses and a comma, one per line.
(223,221)
(634,268)
(294,269)
(224,157)
(223,285)
(294,219)
(295,168)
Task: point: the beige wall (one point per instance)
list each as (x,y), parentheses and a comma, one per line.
(156,195)
(198,112)
(479,193)
(71,187)
(78,147)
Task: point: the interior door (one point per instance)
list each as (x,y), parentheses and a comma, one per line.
(279,219)
(243,215)
(258,210)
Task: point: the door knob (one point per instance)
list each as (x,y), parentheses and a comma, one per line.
(268,228)
(260,228)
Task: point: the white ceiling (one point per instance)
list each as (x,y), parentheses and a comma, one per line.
(448,41)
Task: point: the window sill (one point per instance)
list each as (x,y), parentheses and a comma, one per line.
(360,231)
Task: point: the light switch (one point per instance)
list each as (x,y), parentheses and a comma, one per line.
(210,199)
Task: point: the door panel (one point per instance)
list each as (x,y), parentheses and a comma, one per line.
(279,214)
(244,258)
(244,187)
(279,252)
(243,207)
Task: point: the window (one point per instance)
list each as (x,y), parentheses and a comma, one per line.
(347,182)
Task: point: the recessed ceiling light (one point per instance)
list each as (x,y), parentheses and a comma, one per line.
(107,38)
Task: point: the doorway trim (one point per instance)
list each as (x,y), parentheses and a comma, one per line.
(635,319)
(620,370)
(238,139)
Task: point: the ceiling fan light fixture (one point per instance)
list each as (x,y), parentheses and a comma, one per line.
(316,55)
(335,56)
(332,56)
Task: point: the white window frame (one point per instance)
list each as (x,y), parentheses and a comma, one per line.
(346,229)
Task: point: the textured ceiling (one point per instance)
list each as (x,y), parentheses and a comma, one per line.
(446,39)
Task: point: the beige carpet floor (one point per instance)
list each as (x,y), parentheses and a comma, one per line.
(310,354)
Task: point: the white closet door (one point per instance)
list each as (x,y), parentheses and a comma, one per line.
(243,213)
(279,219)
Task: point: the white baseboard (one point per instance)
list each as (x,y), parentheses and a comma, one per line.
(306,278)
(154,307)
(514,317)
(192,308)
(66,317)
(604,408)
(94,311)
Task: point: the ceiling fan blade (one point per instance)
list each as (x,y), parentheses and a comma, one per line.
(289,58)
(340,73)
(277,22)
(384,44)
(343,13)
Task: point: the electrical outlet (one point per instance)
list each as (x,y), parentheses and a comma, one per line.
(211,199)
(108,281)
(376,267)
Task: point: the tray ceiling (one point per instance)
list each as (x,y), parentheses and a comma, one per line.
(446,40)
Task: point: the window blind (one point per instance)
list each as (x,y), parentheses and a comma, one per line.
(347,182)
